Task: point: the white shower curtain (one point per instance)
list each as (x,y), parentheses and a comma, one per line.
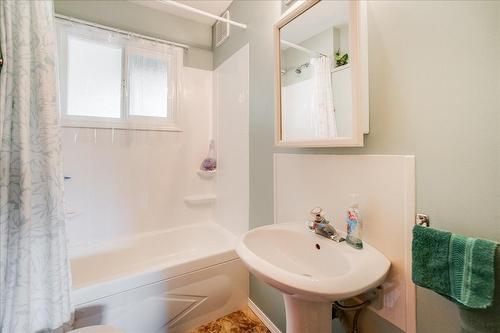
(322,98)
(34,273)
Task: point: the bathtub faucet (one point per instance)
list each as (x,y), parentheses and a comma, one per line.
(321,226)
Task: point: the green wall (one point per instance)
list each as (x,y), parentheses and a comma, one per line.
(434,92)
(129,16)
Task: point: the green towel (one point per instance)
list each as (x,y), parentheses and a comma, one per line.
(483,320)
(460,268)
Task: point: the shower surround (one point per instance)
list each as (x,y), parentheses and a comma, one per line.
(138,248)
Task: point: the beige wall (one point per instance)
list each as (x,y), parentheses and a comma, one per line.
(140,19)
(434,93)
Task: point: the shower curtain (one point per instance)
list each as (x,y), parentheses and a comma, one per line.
(34,273)
(322,99)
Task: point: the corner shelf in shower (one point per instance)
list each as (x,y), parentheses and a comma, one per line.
(206,174)
(201,199)
(340,68)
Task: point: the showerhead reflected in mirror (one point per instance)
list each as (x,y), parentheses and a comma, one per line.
(318,56)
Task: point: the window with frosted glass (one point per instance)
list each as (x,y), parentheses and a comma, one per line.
(112,80)
(94,79)
(148,86)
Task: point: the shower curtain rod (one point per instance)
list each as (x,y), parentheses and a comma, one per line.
(201,12)
(301,48)
(123,32)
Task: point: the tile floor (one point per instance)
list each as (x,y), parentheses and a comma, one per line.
(244,321)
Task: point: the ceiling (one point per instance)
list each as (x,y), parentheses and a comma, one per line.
(216,7)
(316,19)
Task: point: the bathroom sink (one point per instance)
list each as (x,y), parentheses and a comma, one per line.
(298,262)
(310,270)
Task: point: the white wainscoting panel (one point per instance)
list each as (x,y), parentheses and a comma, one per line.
(386,188)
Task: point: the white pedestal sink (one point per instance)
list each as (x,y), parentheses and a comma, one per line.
(311,271)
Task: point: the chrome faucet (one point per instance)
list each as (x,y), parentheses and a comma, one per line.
(321,226)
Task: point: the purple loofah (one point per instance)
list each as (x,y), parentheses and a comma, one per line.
(208,164)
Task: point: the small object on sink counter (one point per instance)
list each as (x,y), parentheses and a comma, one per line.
(354,224)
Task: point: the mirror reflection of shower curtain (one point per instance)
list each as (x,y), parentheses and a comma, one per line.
(322,99)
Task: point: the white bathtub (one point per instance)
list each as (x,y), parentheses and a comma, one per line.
(167,281)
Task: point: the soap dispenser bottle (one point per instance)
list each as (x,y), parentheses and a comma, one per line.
(354,224)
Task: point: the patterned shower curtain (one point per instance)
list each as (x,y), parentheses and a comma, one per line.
(34,273)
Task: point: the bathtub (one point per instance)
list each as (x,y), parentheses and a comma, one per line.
(166,281)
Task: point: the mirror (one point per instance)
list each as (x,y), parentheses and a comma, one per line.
(319,90)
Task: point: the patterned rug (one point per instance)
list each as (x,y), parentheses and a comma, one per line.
(244,321)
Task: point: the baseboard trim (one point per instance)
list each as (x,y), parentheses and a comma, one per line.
(262,316)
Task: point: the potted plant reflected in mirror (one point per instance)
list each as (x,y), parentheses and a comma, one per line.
(341,60)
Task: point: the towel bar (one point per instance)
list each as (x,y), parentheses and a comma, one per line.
(423,220)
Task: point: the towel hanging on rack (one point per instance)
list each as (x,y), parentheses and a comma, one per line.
(457,267)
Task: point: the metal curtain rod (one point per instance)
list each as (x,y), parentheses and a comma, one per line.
(201,12)
(123,32)
(301,48)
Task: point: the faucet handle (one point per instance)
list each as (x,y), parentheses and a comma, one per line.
(310,225)
(318,214)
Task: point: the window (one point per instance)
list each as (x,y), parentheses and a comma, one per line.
(94,79)
(108,80)
(148,86)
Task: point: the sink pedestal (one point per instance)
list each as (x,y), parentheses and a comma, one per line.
(307,316)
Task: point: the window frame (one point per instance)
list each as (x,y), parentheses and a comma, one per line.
(128,45)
